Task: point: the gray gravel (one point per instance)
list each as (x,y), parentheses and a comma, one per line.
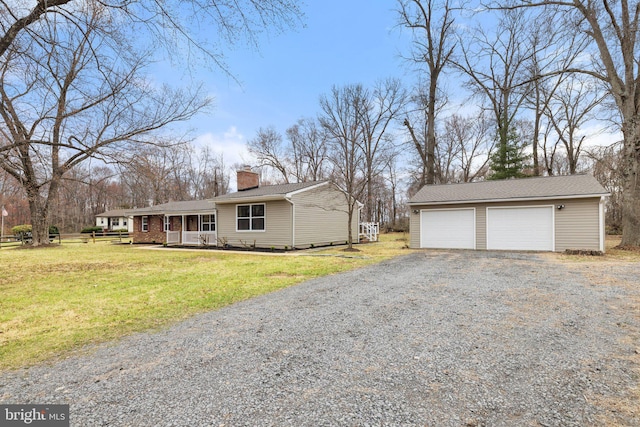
(432,338)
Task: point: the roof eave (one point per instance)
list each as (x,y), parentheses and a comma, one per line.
(250,199)
(515,199)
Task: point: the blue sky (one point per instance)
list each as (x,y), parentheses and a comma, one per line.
(342,42)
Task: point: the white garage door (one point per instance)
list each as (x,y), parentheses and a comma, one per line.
(523,229)
(448,229)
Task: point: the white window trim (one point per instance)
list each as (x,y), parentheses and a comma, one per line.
(144,223)
(215,226)
(251,217)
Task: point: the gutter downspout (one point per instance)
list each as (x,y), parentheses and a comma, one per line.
(602,231)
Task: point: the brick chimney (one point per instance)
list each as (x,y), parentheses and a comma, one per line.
(247,179)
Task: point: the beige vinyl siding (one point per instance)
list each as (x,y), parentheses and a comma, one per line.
(277,233)
(576,225)
(321,217)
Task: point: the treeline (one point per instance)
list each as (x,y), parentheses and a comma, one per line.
(502,89)
(153,175)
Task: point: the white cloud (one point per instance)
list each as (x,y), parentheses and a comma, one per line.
(231,144)
(596,134)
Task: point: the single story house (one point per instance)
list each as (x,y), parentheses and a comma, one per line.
(115,220)
(188,223)
(282,216)
(534,214)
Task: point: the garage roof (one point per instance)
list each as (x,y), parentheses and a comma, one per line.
(539,188)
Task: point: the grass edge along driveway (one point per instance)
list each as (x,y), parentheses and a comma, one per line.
(55,301)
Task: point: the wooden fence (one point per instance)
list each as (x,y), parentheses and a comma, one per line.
(70,238)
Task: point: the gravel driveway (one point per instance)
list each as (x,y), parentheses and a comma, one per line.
(431,338)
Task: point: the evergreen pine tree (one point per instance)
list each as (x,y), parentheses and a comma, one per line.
(509,160)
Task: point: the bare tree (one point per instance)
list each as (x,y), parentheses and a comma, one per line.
(569,108)
(447,151)
(380,108)
(72,87)
(612,27)
(549,156)
(606,166)
(270,151)
(495,63)
(431,23)
(308,145)
(341,117)
(151,178)
(172,24)
(394,183)
(207,175)
(76,96)
(473,144)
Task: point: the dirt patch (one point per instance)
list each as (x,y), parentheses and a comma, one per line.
(628,248)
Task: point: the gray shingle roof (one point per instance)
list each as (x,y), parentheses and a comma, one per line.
(521,189)
(268,190)
(114,213)
(175,207)
(193,206)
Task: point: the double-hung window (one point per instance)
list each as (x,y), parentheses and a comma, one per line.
(250,217)
(208,222)
(145,223)
(167,223)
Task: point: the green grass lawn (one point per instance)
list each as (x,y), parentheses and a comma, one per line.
(54,301)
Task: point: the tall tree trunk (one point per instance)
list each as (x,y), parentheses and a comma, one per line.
(631,189)
(534,146)
(431,130)
(39,209)
(370,198)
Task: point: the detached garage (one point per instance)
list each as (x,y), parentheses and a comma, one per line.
(530,214)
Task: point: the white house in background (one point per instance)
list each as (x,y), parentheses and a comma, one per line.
(115,220)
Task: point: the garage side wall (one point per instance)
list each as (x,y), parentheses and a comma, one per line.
(576,225)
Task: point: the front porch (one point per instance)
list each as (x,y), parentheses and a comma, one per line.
(191,230)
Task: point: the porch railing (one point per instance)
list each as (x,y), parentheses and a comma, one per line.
(173,237)
(199,238)
(370,230)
